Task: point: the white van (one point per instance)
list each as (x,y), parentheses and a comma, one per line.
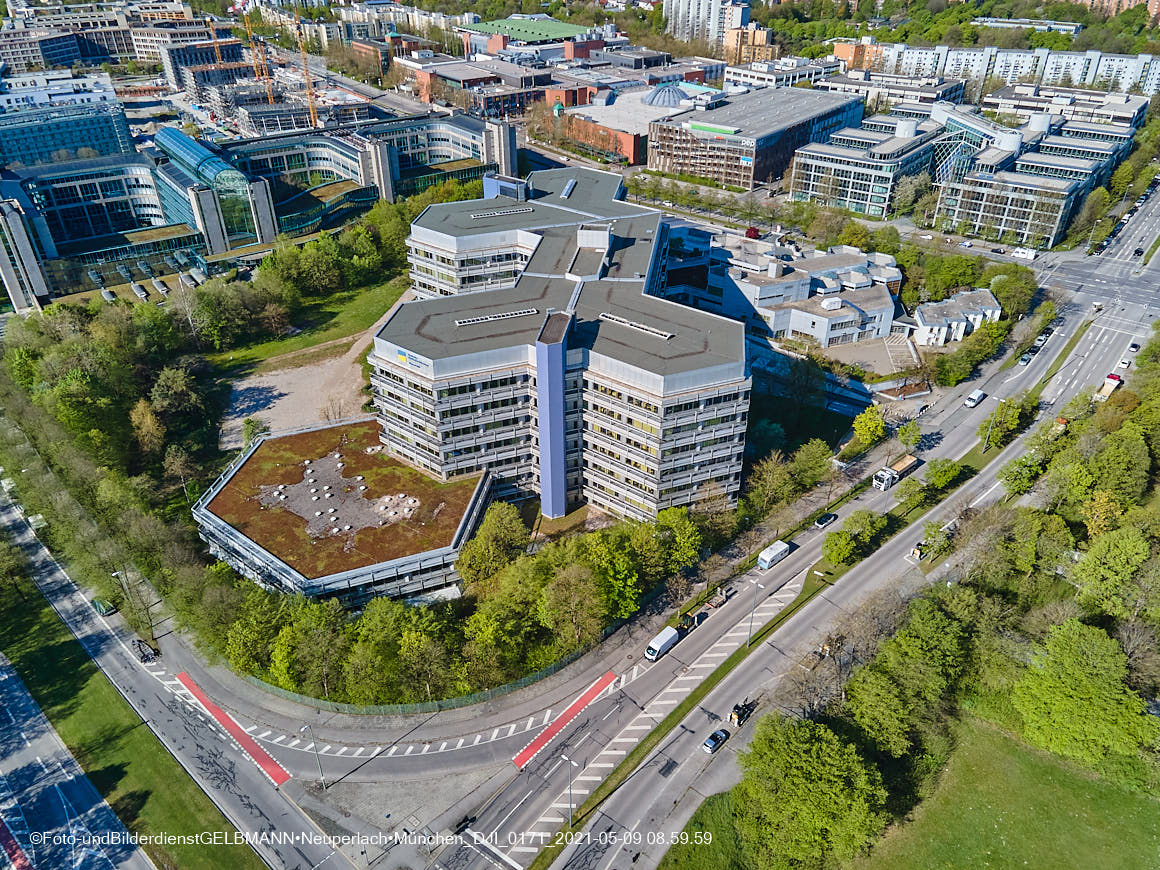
(974,398)
(772,554)
(662,643)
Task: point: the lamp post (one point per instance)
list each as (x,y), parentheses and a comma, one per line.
(991,425)
(317,757)
(752,610)
(1092,234)
(571,764)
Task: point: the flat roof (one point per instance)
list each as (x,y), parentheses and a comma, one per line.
(301,466)
(763,112)
(626,112)
(653,334)
(131,237)
(527,29)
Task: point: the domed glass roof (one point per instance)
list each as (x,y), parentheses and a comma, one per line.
(667,95)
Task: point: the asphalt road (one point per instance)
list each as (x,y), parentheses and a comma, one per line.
(635,826)
(52,812)
(232,780)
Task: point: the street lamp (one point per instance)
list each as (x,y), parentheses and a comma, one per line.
(752,610)
(1092,234)
(571,764)
(317,757)
(991,425)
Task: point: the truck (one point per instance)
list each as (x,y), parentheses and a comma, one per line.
(885,478)
(1108,387)
(772,554)
(662,643)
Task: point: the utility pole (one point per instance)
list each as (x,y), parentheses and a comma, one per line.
(317,757)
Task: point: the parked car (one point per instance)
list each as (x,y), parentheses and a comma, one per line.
(1041,339)
(1034,349)
(1123,364)
(1133,347)
(1025,359)
(824,520)
(927,237)
(715,741)
(965,244)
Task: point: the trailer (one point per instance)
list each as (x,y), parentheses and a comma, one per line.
(1111,382)
(885,478)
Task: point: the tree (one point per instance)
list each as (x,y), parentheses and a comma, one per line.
(886,240)
(807,799)
(502,537)
(856,234)
(870,426)
(571,606)
(1123,463)
(422,664)
(941,473)
(1105,576)
(1074,701)
(1020,474)
(147,429)
(839,547)
(253,428)
(764,436)
(1001,425)
(1100,513)
(909,190)
(875,703)
(308,653)
(810,463)
(251,637)
(864,526)
(910,493)
(770,483)
(909,434)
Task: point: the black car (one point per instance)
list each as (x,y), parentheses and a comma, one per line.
(1133,347)
(1139,252)
(1033,350)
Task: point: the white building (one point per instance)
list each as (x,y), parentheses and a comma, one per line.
(939,323)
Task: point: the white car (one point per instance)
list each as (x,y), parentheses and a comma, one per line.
(965,244)
(1124,363)
(927,237)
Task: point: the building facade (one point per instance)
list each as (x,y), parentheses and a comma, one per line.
(742,45)
(883,87)
(783,73)
(56,133)
(747,139)
(1021,101)
(561,372)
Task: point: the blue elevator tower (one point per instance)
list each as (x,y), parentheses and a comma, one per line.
(551,349)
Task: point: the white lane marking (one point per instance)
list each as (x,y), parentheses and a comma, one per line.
(394,749)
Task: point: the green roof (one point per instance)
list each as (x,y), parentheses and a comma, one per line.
(528,29)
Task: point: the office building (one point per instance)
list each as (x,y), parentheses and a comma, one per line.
(742,45)
(176,57)
(1021,101)
(939,323)
(1071,28)
(783,73)
(54,88)
(25,50)
(541,352)
(20,272)
(747,139)
(880,88)
(57,133)
(859,168)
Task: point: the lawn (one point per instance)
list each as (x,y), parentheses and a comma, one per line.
(337,316)
(723,853)
(126,763)
(1002,804)
(292,531)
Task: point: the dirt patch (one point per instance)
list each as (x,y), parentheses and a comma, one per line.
(330,500)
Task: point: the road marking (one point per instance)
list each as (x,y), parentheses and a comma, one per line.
(551,820)
(394,749)
(478,737)
(325,748)
(279,738)
(546,736)
(511,729)
(265,734)
(602,764)
(494,734)
(531,720)
(410,749)
(293,743)
(547,716)
(480,841)
(426,747)
(460,743)
(442,746)
(359,751)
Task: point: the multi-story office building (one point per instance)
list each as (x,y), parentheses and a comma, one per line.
(782,73)
(747,139)
(859,168)
(57,133)
(20,273)
(1021,101)
(176,56)
(883,87)
(54,88)
(25,50)
(938,323)
(568,377)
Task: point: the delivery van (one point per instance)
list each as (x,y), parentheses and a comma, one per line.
(974,398)
(662,643)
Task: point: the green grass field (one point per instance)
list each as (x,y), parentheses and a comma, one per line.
(135,774)
(723,853)
(337,316)
(1002,804)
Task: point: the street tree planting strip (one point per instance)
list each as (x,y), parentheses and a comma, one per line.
(263,759)
(548,734)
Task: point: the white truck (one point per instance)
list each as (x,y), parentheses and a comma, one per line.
(1109,386)
(1024,253)
(772,554)
(885,478)
(662,643)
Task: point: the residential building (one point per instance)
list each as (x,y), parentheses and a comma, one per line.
(704,20)
(542,352)
(880,88)
(377,20)
(1021,101)
(782,73)
(1071,28)
(939,323)
(747,139)
(742,45)
(55,133)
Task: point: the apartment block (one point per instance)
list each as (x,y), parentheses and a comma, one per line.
(562,371)
(783,73)
(742,45)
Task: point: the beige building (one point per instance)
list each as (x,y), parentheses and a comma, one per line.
(749,44)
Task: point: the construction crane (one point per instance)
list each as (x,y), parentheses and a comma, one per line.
(258,57)
(306,70)
(217,50)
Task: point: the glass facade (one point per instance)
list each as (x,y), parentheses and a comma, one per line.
(231,188)
(61,133)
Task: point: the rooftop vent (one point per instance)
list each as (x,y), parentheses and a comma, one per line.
(488,318)
(503,212)
(568,188)
(632,324)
